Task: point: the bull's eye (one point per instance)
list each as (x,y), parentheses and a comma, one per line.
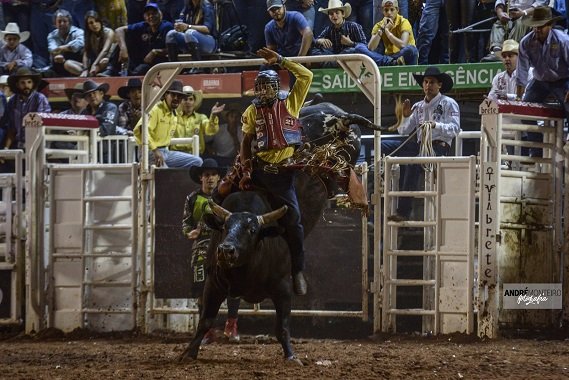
(253,230)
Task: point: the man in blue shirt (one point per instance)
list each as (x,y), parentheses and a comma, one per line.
(142,44)
(287,33)
(547,51)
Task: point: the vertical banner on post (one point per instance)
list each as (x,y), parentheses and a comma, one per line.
(487,260)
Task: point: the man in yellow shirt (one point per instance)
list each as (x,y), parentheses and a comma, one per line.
(162,122)
(191,123)
(271,124)
(396,33)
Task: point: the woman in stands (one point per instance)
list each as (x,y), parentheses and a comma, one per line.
(193,31)
(98,45)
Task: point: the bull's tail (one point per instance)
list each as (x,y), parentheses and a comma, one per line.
(398,113)
(361,121)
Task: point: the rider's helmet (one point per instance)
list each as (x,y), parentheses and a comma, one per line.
(267,86)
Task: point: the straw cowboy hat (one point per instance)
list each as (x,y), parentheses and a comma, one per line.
(433,71)
(540,17)
(208,164)
(337,4)
(13,28)
(90,86)
(133,83)
(24,72)
(77,89)
(510,46)
(198,95)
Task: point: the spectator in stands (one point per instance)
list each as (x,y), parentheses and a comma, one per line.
(76,100)
(162,122)
(27,98)
(65,45)
(509,24)
(504,83)
(287,33)
(460,14)
(433,23)
(4,88)
(13,54)
(224,145)
(129,110)
(99,45)
(193,31)
(546,50)
(435,119)
(191,123)
(105,111)
(341,36)
(41,24)
(142,44)
(396,34)
(195,229)
(305,7)
(113,12)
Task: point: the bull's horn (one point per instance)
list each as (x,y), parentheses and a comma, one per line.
(272,216)
(218,210)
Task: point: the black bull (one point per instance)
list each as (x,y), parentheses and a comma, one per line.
(248,257)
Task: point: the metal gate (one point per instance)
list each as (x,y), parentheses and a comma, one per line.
(92,247)
(446,253)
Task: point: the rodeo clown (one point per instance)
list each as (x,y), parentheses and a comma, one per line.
(272,124)
(435,120)
(193,228)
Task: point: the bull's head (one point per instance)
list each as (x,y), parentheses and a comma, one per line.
(241,233)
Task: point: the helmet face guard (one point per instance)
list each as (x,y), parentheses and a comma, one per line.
(267,86)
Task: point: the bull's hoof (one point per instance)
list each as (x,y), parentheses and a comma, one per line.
(187,356)
(293,359)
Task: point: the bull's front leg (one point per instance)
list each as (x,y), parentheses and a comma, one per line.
(282,303)
(212,299)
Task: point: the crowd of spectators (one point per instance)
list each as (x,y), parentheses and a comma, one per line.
(98,39)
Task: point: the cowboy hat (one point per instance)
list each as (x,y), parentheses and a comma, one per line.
(510,46)
(337,4)
(176,87)
(90,86)
(24,72)
(198,95)
(133,83)
(433,71)
(395,3)
(208,164)
(77,89)
(3,80)
(13,28)
(540,17)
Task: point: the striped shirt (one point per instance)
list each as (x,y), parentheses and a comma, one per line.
(349,28)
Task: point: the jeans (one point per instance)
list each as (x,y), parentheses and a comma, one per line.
(205,42)
(537,92)
(281,187)
(362,13)
(309,14)
(433,22)
(175,159)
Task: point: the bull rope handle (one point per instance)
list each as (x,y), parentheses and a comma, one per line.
(426,144)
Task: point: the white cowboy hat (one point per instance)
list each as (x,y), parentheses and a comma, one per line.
(13,28)
(337,4)
(197,94)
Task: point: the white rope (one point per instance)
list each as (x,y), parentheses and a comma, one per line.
(426,144)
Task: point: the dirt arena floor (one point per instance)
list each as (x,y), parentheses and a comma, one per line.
(53,355)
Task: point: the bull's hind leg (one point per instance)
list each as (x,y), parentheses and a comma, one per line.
(212,300)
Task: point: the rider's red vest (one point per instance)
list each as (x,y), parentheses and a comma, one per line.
(275,127)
